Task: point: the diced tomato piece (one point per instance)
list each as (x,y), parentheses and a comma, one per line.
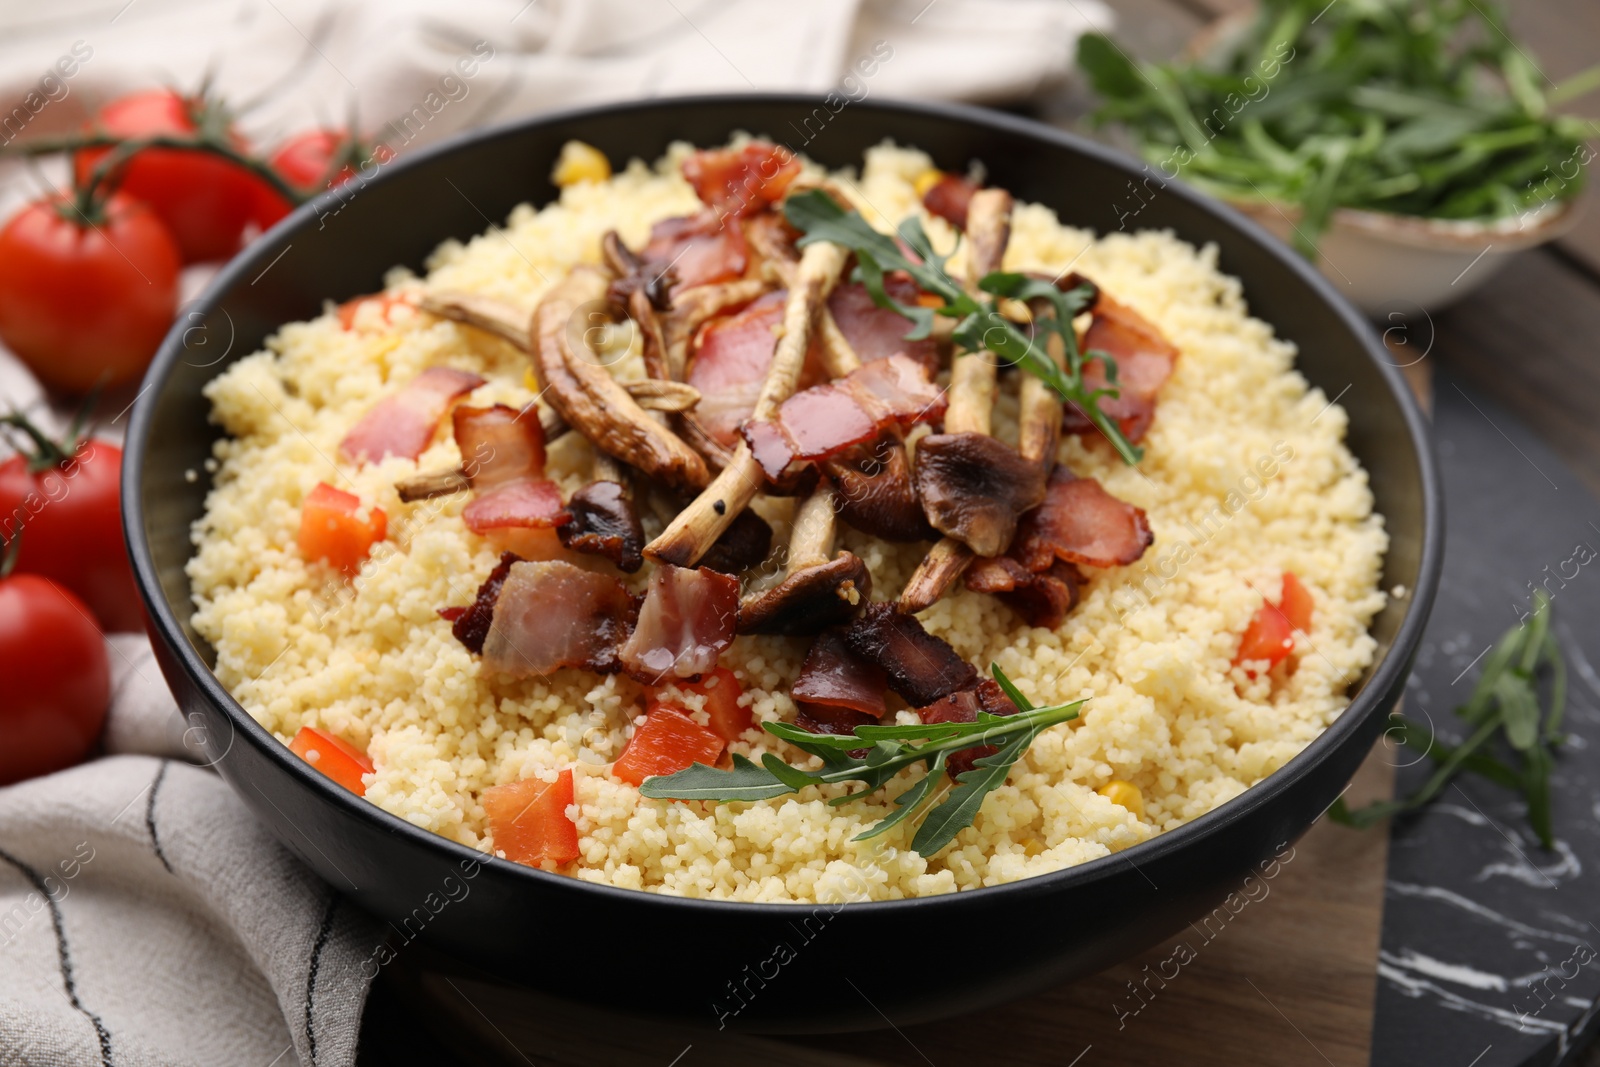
(722,691)
(332,529)
(385,301)
(529,823)
(1295,603)
(333,756)
(1268,637)
(668,741)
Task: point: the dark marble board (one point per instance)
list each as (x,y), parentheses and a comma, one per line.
(1491,946)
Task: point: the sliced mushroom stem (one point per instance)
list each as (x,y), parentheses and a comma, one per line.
(504,320)
(815,523)
(429,484)
(591,400)
(686,539)
(1039,430)
(938,571)
(655,394)
(972,391)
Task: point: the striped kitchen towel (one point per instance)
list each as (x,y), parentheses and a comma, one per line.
(147,918)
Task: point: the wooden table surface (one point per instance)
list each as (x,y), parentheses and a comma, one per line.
(1294,983)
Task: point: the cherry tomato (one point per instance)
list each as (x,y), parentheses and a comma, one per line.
(57,679)
(86,304)
(205,200)
(304,161)
(69,516)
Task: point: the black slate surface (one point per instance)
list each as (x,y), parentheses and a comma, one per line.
(1491,945)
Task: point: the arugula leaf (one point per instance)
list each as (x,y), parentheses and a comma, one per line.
(1416,107)
(1505,700)
(890,749)
(981,327)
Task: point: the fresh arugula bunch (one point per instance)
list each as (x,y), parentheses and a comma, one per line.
(1413,107)
(1505,701)
(889,750)
(981,325)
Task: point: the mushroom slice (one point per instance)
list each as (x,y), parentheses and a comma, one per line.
(875,491)
(504,320)
(604,523)
(974,487)
(816,592)
(746,542)
(687,620)
(688,536)
(986,215)
(591,400)
(922,668)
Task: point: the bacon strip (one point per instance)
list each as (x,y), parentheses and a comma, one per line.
(552,614)
(878,333)
(1080,522)
(1039,599)
(732,355)
(963,706)
(920,667)
(402,424)
(1144,362)
(836,677)
(470,624)
(741,181)
(696,249)
(503,457)
(825,419)
(687,620)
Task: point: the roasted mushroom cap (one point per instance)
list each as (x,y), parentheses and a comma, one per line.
(742,545)
(810,599)
(974,487)
(604,523)
(922,668)
(875,491)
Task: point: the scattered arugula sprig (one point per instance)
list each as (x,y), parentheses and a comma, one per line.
(1412,107)
(821,218)
(889,750)
(1504,701)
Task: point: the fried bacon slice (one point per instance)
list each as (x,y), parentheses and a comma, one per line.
(836,678)
(1144,359)
(1080,522)
(1042,599)
(974,487)
(470,624)
(553,614)
(604,523)
(697,249)
(687,620)
(818,422)
(744,180)
(949,197)
(920,667)
(963,706)
(402,424)
(503,456)
(732,355)
(878,333)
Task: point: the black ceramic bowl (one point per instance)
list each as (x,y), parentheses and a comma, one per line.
(699,959)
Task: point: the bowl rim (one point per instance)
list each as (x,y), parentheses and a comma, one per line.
(1389,673)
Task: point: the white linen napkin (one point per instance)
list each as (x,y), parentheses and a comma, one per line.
(146,917)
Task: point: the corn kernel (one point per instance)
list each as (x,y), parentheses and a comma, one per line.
(1123,794)
(580,162)
(530,381)
(925,181)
